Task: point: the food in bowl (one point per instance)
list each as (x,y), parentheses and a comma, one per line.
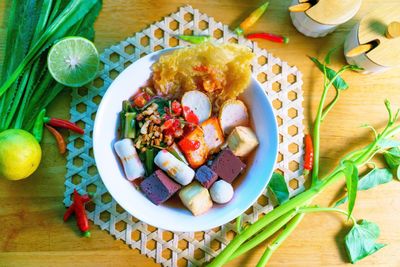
(186,133)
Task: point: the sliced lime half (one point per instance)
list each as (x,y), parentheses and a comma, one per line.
(73,61)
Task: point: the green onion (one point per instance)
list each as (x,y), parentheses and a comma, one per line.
(26,86)
(129,125)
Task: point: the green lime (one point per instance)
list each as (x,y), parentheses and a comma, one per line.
(73,61)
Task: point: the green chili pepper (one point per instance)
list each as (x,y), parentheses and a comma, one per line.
(194,39)
(149,161)
(37,130)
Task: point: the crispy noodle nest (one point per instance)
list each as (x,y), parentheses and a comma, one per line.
(222,71)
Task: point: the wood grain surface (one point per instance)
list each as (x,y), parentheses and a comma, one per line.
(32,232)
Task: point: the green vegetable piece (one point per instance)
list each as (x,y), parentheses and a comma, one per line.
(339,83)
(361,241)
(126,106)
(195,39)
(392,157)
(38,127)
(149,161)
(351,174)
(129,126)
(278,187)
(161,102)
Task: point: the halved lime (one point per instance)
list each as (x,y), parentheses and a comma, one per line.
(73,61)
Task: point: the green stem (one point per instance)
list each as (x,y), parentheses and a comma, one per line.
(271,248)
(330,105)
(317,124)
(321,209)
(239,224)
(263,235)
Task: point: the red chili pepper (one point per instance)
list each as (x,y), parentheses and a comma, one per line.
(62,147)
(308,154)
(176,108)
(63,124)
(71,209)
(78,208)
(190,116)
(250,20)
(80,213)
(268,36)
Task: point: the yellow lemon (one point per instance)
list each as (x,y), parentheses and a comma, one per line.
(20,154)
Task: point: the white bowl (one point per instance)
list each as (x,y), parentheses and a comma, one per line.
(169,217)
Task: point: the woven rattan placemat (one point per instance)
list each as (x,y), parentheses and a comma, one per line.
(282,84)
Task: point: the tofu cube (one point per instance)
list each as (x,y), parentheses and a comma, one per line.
(227,165)
(213,134)
(206,176)
(196,157)
(242,141)
(196,198)
(158,187)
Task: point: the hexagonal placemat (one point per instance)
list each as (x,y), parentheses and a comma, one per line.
(282,84)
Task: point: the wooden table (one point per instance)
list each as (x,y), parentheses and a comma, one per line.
(32,232)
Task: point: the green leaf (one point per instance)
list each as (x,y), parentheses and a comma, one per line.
(392,157)
(374,178)
(388,143)
(278,187)
(398,173)
(351,174)
(339,83)
(361,241)
(86,28)
(328,56)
